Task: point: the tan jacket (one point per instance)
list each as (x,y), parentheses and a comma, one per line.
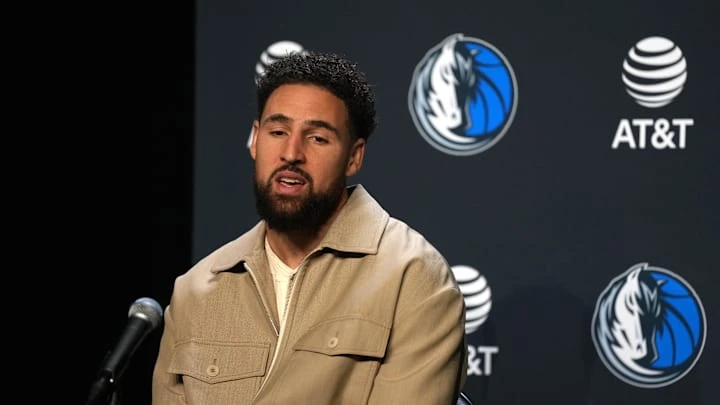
(374,317)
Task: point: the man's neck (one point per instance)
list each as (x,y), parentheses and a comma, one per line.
(293,246)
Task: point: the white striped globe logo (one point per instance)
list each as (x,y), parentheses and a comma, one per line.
(476,293)
(654,72)
(275,51)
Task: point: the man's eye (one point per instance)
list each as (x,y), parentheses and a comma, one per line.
(276,133)
(318,139)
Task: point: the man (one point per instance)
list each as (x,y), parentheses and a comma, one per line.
(327,300)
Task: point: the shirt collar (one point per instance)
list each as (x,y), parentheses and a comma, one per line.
(357,228)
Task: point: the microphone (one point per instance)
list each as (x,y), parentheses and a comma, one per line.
(144,316)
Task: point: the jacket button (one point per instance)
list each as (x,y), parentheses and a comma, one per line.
(332,342)
(212,370)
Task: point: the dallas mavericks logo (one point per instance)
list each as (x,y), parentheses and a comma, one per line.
(649,326)
(463,96)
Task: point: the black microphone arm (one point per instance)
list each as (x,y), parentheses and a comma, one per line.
(144,316)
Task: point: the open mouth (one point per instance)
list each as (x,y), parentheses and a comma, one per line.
(289,182)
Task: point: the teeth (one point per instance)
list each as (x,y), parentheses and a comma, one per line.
(291,181)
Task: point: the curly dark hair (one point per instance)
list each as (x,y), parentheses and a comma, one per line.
(330,71)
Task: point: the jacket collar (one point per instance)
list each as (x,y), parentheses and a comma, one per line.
(357,229)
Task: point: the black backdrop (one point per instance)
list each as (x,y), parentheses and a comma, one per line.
(551,213)
(139,258)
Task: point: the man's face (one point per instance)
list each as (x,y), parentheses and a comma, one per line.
(303,153)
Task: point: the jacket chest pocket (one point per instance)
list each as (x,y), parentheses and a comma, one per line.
(346,336)
(214,372)
(335,362)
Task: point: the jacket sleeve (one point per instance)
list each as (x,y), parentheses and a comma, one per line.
(426,357)
(167,387)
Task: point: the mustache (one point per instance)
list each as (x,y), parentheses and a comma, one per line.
(295,169)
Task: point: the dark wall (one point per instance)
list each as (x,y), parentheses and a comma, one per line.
(140,258)
(551,213)
(171,172)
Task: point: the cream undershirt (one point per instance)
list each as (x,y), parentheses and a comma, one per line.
(282,276)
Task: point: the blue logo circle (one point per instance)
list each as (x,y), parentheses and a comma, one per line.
(463,96)
(649,326)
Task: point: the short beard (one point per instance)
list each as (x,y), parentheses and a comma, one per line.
(305,215)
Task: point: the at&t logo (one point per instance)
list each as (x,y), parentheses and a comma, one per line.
(654,73)
(478,301)
(272,53)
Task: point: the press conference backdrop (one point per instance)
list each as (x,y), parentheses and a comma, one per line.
(571,179)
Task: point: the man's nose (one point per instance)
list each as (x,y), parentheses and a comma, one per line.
(294,148)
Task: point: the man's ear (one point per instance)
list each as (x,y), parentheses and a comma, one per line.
(253,143)
(357,154)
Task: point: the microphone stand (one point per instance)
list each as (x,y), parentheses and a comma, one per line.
(103,391)
(145,314)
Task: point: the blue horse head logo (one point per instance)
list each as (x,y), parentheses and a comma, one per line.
(463,95)
(649,326)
